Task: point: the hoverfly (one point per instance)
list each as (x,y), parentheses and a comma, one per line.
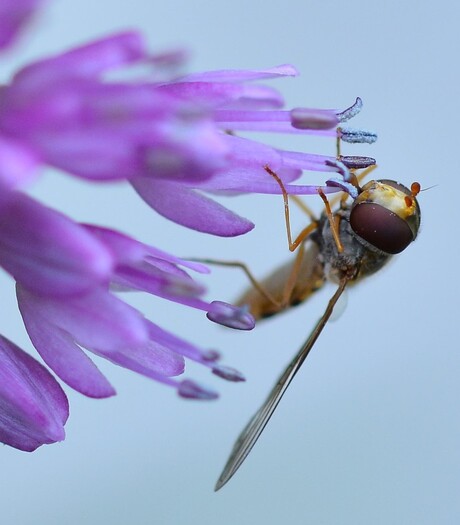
(342,246)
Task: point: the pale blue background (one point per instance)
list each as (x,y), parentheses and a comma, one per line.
(369,432)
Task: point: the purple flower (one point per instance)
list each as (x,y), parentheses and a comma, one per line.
(47,252)
(174,140)
(110,328)
(33,407)
(239,106)
(61,111)
(61,321)
(13,15)
(145,268)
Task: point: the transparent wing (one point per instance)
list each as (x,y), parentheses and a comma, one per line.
(257,423)
(308,277)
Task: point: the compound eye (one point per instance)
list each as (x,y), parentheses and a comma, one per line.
(380,227)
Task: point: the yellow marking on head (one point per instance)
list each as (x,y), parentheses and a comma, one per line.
(403,205)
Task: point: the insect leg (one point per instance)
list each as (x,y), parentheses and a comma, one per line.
(298,242)
(237,264)
(292,279)
(332,221)
(293,244)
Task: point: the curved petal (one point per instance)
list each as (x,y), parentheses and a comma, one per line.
(189,208)
(13,15)
(60,352)
(149,360)
(178,287)
(127,250)
(47,252)
(181,346)
(86,61)
(95,320)
(33,407)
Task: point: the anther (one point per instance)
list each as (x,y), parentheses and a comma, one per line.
(356,136)
(237,317)
(189,389)
(357,162)
(228,373)
(350,112)
(348,183)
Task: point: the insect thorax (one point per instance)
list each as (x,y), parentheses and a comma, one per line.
(358,259)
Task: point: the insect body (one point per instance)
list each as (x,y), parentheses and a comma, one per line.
(345,246)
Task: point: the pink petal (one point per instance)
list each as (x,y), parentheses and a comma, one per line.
(47,252)
(89,153)
(89,60)
(223,94)
(255,180)
(150,360)
(95,320)
(33,407)
(14,14)
(60,352)
(127,250)
(238,75)
(189,208)
(18,164)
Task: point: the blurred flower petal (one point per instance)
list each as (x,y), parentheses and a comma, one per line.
(242,75)
(47,252)
(18,164)
(14,14)
(33,407)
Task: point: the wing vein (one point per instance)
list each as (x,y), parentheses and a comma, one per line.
(251,433)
